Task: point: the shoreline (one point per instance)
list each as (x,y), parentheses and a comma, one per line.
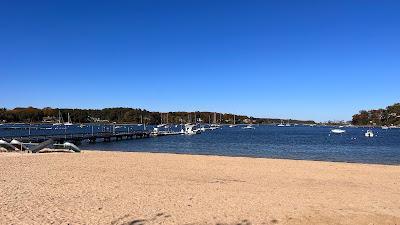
(241,156)
(111,187)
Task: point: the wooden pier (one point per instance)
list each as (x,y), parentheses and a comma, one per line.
(78,138)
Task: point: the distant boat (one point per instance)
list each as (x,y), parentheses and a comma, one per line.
(69,123)
(156,131)
(287,124)
(385,127)
(369,133)
(234,122)
(281,124)
(190,129)
(248,127)
(338,131)
(59,119)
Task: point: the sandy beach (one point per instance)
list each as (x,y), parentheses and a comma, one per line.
(148,188)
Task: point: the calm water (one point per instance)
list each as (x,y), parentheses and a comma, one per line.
(311,143)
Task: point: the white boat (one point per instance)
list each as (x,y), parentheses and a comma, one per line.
(69,123)
(234,122)
(385,127)
(155,132)
(338,131)
(191,129)
(248,127)
(369,133)
(59,119)
(281,124)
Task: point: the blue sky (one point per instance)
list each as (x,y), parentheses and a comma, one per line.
(321,60)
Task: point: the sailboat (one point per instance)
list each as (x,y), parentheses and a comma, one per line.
(234,122)
(69,123)
(281,124)
(59,119)
(287,124)
(141,121)
(161,124)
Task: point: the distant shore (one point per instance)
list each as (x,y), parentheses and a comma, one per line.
(96,187)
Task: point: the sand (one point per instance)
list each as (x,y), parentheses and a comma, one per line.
(149,188)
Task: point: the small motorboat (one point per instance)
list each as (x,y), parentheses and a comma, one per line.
(338,131)
(369,133)
(191,129)
(248,127)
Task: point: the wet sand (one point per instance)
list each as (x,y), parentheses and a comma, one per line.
(149,188)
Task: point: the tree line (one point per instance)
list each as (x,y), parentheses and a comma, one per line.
(126,115)
(390,116)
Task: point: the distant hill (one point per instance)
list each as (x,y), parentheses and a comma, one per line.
(379,117)
(126,115)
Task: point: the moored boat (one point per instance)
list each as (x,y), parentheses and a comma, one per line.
(248,127)
(69,123)
(369,133)
(338,131)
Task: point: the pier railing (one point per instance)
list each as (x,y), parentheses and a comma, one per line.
(77,138)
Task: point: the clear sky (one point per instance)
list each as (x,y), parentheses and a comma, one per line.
(321,60)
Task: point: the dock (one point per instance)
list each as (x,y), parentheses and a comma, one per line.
(78,138)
